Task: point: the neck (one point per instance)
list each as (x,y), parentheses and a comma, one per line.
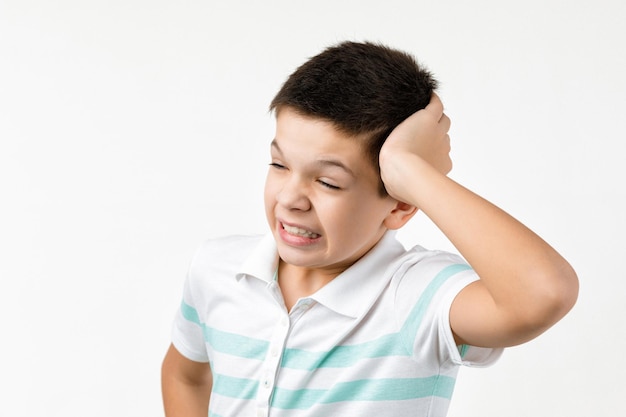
(297,282)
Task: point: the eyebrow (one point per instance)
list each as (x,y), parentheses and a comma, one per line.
(330,162)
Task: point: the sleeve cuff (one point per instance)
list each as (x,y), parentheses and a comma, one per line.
(465,355)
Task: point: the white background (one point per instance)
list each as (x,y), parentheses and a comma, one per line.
(130,131)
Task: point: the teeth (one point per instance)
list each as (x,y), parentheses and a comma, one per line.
(300,232)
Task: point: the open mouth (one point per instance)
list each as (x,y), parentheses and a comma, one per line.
(297,231)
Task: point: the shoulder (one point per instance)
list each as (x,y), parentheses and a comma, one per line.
(428,274)
(424,262)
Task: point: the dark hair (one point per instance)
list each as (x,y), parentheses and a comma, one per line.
(364,89)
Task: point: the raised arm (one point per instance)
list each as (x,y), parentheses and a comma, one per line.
(525,286)
(186,386)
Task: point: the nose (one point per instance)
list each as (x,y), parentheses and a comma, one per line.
(293,195)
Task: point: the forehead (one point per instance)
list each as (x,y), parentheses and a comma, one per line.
(309,136)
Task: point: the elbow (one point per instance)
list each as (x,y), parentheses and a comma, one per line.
(555,299)
(565,293)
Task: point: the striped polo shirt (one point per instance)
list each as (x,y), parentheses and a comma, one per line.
(376,340)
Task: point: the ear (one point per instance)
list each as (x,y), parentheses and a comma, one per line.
(398,217)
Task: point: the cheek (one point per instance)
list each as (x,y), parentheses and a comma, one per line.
(346,216)
(269,192)
(366,214)
(270,186)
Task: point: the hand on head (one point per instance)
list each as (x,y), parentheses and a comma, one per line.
(423,135)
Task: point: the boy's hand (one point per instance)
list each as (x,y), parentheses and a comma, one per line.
(423,136)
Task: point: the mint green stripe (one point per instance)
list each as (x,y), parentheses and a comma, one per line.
(409,329)
(388,345)
(343,356)
(236,345)
(463,350)
(338,357)
(212,414)
(365,390)
(228,386)
(190,313)
(226,342)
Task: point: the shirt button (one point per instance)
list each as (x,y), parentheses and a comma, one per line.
(284,321)
(274,351)
(266,383)
(260,412)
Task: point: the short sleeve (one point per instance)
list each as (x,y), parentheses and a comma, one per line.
(465,355)
(188,329)
(426,292)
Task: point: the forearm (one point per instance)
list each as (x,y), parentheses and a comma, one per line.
(514,264)
(525,286)
(183,400)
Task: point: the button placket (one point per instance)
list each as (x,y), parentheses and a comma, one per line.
(271,362)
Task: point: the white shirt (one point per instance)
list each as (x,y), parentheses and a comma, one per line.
(376,340)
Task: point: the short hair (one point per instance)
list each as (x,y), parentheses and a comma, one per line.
(364,89)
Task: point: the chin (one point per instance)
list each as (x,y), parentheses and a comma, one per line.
(293,259)
(288,256)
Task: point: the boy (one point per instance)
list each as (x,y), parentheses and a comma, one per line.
(329,315)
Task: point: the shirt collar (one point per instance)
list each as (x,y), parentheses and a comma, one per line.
(353,291)
(262,262)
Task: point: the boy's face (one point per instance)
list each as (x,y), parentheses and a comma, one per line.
(321,195)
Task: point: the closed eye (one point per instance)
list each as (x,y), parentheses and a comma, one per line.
(277,165)
(327,185)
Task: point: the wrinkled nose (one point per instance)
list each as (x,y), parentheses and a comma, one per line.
(293,196)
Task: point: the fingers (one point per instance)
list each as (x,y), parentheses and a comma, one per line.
(435,106)
(445,122)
